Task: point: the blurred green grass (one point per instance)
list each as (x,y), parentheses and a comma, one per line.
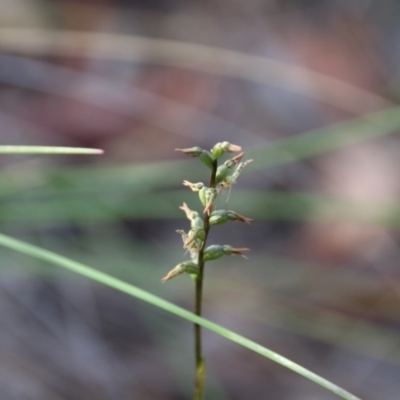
(141,192)
(144,190)
(37,202)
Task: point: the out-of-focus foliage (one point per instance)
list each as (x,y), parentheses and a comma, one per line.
(308,89)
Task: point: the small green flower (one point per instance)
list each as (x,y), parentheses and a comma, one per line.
(197,223)
(206,195)
(193,234)
(231,251)
(187,266)
(205,156)
(216,251)
(192,151)
(227,167)
(197,229)
(219,217)
(195,187)
(231,179)
(222,147)
(203,195)
(200,188)
(190,242)
(210,195)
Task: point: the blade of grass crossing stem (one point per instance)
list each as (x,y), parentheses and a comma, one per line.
(133,291)
(47,150)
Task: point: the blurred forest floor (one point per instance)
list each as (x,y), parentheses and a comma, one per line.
(141,78)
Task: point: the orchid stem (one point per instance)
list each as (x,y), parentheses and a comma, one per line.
(199,359)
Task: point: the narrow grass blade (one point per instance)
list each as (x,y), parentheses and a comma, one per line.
(47,150)
(133,291)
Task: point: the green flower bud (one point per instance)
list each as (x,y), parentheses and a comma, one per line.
(220,148)
(231,251)
(203,195)
(207,158)
(201,234)
(222,172)
(227,167)
(234,216)
(190,242)
(191,239)
(217,251)
(197,223)
(210,195)
(213,252)
(217,151)
(187,266)
(206,196)
(231,179)
(219,217)
(192,151)
(195,187)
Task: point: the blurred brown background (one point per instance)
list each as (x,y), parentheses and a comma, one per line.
(140,78)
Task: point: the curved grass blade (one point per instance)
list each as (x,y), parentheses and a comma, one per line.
(141,294)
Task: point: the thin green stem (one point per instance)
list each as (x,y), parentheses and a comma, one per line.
(199,359)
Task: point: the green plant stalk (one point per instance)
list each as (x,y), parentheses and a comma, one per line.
(124,287)
(199,359)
